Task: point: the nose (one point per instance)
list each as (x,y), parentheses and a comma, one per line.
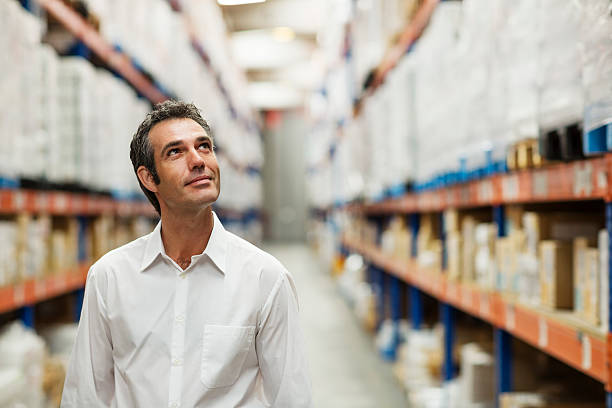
(194,159)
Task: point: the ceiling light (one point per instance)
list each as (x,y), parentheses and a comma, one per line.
(284,34)
(238,2)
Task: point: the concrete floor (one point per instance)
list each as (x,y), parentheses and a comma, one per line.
(345,367)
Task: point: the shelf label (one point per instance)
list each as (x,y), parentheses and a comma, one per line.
(464,194)
(485,191)
(62,282)
(485,306)
(77,204)
(586,353)
(450,197)
(510,318)
(42,201)
(19,295)
(582,179)
(510,188)
(39,289)
(542,333)
(452,292)
(602,179)
(540,184)
(20,200)
(61,202)
(466,298)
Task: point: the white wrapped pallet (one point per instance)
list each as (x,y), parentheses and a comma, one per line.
(75,77)
(559,82)
(23,350)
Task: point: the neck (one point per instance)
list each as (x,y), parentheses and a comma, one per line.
(186,235)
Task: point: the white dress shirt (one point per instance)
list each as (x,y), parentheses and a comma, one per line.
(222,333)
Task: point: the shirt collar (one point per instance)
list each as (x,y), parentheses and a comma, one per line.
(215,249)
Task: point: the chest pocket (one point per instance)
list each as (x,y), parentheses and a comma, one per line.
(224,351)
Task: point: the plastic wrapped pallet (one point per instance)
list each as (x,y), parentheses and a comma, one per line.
(559,68)
(75,103)
(13,387)
(596,26)
(23,350)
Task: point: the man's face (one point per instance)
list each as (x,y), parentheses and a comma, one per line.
(186,165)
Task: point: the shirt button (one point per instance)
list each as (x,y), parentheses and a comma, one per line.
(177,361)
(180,318)
(174,405)
(183,276)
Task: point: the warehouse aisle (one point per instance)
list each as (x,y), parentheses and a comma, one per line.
(346,371)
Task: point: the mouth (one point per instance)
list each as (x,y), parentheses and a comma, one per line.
(198,180)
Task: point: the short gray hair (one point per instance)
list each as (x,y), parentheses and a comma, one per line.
(141,149)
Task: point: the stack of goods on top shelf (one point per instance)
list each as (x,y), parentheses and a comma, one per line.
(69,123)
(490,85)
(65,121)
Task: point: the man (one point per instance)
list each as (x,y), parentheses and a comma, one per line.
(189,315)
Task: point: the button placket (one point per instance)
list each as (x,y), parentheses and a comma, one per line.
(178,340)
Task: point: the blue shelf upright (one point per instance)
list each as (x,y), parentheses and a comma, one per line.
(26,314)
(416,308)
(79,295)
(609,229)
(448,321)
(502,339)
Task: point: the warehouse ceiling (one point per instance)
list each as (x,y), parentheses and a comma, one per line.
(274,42)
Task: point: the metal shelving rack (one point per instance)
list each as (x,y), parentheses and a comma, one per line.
(577,344)
(23,296)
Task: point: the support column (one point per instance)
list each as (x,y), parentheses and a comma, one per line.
(448,320)
(416,308)
(503,361)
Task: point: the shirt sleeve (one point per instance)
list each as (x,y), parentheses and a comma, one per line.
(280,349)
(90,378)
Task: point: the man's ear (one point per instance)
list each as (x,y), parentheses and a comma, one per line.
(146,178)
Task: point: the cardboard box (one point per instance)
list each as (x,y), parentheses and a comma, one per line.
(454,253)
(468,232)
(591,287)
(452,221)
(580,245)
(604,290)
(556,275)
(559,226)
(540,400)
(403,244)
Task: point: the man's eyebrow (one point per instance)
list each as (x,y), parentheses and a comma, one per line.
(205,139)
(180,142)
(170,145)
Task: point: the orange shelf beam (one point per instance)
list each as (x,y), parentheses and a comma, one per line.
(582,349)
(36,290)
(581,180)
(63,203)
(90,37)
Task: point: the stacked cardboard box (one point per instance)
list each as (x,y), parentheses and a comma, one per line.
(540,400)
(429,246)
(396,239)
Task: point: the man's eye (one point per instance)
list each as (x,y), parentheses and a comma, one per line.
(205,146)
(172,152)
